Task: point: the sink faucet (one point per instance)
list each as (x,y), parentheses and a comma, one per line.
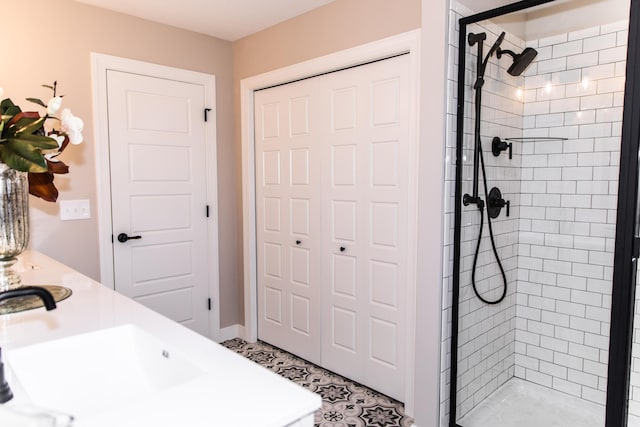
(24,291)
(49,303)
(5,392)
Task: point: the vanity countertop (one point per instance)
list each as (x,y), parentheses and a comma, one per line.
(235,391)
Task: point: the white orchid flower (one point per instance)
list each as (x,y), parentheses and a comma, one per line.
(51,156)
(72,125)
(58,138)
(54,105)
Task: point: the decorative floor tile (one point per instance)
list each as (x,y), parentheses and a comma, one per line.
(344,402)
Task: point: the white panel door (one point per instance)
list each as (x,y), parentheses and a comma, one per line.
(158,182)
(288,215)
(365,217)
(335,179)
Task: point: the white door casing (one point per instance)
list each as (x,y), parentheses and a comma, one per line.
(332,289)
(158,186)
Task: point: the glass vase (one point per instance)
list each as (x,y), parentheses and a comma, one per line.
(14,223)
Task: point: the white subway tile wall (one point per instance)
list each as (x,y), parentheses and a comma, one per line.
(573,193)
(557,245)
(486,332)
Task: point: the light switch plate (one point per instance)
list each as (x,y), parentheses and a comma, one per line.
(74,209)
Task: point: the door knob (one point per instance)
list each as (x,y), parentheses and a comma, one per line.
(123,237)
(298,242)
(342,249)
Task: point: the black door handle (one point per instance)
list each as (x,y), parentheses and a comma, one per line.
(123,237)
(342,249)
(298,242)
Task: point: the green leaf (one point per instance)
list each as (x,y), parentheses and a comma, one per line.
(37,101)
(15,127)
(12,111)
(48,86)
(6,104)
(32,126)
(23,157)
(7,107)
(37,141)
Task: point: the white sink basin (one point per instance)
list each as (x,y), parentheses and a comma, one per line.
(88,373)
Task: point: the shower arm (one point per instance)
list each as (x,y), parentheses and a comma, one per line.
(511,53)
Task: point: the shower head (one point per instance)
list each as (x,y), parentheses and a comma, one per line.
(520,61)
(496,45)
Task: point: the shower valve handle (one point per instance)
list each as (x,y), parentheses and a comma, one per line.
(495,203)
(498,146)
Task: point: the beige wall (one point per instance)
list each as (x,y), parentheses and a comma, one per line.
(331,28)
(55,43)
(337,26)
(47,40)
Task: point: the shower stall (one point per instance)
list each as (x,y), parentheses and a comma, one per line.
(535,118)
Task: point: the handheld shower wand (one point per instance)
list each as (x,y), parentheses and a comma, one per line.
(520,63)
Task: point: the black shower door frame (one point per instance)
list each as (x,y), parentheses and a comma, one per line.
(627,243)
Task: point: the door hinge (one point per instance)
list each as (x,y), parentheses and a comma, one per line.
(209,303)
(207,211)
(206,114)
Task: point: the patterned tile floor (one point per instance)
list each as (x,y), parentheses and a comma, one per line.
(344,402)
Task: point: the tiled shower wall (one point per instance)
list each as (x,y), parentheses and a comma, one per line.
(554,330)
(568,209)
(486,332)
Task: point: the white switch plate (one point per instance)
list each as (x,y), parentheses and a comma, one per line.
(74,209)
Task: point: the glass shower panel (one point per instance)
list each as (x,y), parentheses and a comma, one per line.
(634,384)
(551,93)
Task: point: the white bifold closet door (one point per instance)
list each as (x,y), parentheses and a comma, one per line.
(332,212)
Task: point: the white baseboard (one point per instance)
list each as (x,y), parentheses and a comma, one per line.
(230,332)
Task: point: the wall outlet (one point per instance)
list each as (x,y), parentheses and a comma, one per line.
(74,209)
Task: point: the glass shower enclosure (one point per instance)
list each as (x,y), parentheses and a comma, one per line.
(540,148)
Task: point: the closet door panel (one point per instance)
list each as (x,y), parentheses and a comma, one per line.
(367,165)
(332,198)
(287,219)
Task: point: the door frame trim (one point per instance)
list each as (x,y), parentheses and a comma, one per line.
(408,42)
(100,64)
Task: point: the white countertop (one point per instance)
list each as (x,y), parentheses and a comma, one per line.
(235,391)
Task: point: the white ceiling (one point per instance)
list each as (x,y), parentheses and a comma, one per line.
(559,16)
(225,19)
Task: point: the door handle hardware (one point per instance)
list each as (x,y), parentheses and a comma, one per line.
(123,237)
(342,249)
(298,242)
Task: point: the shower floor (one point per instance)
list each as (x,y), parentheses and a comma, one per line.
(525,404)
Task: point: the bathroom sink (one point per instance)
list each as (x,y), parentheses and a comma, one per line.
(88,373)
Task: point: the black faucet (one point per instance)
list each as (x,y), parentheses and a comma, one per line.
(5,392)
(49,303)
(24,291)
